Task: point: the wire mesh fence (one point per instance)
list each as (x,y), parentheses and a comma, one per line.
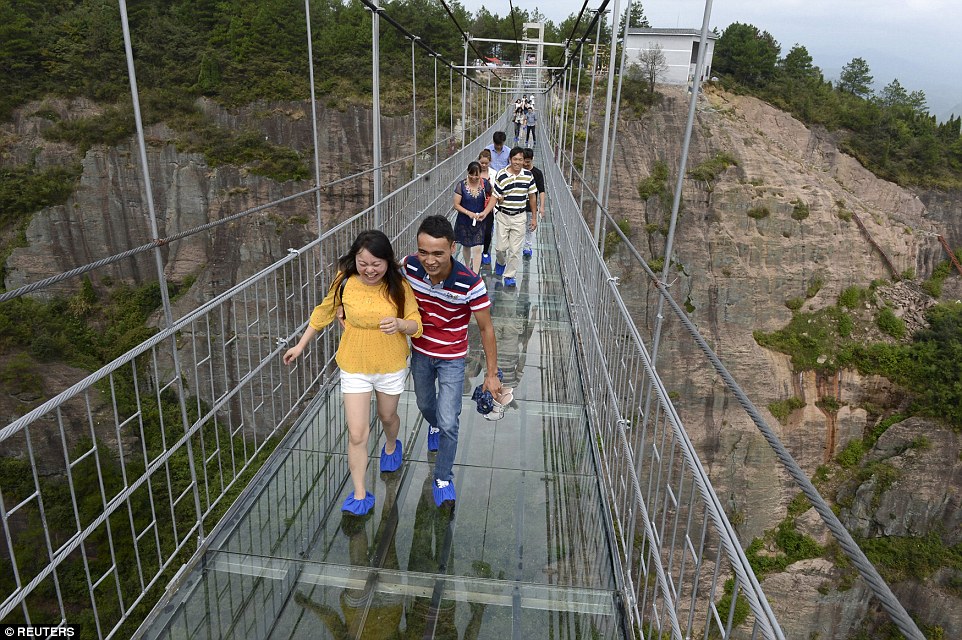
(109,487)
(683,571)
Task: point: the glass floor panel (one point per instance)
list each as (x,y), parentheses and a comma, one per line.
(523,554)
(248,597)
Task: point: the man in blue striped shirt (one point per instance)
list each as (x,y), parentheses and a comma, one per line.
(515,189)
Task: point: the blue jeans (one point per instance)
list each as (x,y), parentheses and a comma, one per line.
(437,386)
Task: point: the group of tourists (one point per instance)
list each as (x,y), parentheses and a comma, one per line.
(503,190)
(427,298)
(525,120)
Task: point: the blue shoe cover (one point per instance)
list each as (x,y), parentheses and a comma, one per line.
(499,269)
(358,507)
(392,462)
(434,438)
(485,258)
(510,282)
(444,493)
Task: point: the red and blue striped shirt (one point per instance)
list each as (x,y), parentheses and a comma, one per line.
(445,308)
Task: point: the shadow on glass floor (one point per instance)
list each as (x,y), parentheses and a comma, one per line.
(439,576)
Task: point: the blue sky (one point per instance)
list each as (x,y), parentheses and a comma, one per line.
(917,41)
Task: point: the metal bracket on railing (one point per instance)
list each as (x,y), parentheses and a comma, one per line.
(615,279)
(294,251)
(625,424)
(283,342)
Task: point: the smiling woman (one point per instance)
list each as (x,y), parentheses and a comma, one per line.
(380,312)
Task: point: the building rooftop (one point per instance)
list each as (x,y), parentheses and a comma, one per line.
(670,32)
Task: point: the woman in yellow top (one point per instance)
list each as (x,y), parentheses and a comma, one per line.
(380,312)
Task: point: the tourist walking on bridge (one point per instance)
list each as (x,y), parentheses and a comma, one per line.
(380,312)
(447,293)
(515,189)
(484,159)
(542,196)
(531,121)
(473,202)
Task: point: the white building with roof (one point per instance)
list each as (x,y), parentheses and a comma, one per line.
(680,47)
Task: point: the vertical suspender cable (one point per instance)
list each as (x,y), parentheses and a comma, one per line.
(464,94)
(591,104)
(451,95)
(414,107)
(436,110)
(602,166)
(565,82)
(487,104)
(317,152)
(574,124)
(614,130)
(376,124)
(682,162)
(159,261)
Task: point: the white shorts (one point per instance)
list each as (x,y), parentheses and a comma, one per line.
(389,383)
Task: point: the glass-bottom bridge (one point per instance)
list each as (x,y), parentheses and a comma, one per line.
(524,554)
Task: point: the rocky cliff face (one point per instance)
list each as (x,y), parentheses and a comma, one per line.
(108,214)
(735,272)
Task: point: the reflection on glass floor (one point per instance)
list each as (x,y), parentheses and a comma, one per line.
(522,555)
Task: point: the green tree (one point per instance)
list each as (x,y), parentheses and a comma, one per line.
(797,64)
(856,78)
(746,54)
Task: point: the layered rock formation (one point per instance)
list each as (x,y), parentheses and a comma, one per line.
(108,214)
(734,272)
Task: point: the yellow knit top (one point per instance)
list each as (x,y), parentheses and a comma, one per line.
(364,347)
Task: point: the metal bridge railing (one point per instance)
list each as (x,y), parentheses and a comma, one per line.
(683,571)
(108,488)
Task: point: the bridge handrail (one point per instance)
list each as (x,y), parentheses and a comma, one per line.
(239,397)
(866,569)
(632,387)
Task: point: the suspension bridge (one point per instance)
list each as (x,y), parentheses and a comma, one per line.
(214,511)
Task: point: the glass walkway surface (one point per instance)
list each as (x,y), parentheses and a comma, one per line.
(523,554)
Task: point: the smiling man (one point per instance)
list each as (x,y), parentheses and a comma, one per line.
(447,293)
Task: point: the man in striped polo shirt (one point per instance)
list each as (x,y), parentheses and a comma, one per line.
(447,293)
(515,189)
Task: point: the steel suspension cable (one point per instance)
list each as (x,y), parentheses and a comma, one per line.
(598,13)
(465,35)
(420,41)
(574,28)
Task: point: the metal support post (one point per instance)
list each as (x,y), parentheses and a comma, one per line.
(487,104)
(574,124)
(451,95)
(317,152)
(591,104)
(682,162)
(464,93)
(414,107)
(565,82)
(376,125)
(159,262)
(602,166)
(614,131)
